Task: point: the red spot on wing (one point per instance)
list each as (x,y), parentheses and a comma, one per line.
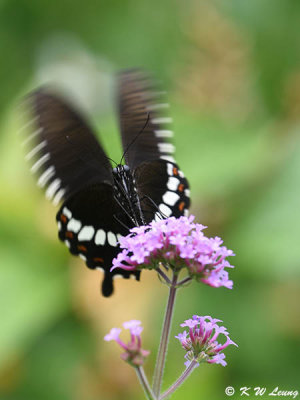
(63,218)
(82,248)
(69,235)
(181,206)
(98,259)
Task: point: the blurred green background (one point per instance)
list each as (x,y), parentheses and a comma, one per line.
(232,72)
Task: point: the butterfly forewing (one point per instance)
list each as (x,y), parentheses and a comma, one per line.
(144,122)
(146,137)
(62,150)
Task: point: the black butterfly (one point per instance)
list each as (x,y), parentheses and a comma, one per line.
(101,203)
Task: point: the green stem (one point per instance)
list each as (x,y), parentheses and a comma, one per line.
(161,356)
(185,280)
(180,380)
(164,276)
(145,384)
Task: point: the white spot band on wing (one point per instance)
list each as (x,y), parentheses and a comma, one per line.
(170,198)
(119,236)
(86,233)
(59,195)
(67,212)
(32,136)
(112,239)
(40,162)
(100,237)
(52,189)
(163,133)
(44,178)
(157,106)
(170,169)
(167,158)
(187,192)
(162,120)
(166,147)
(35,150)
(173,183)
(74,225)
(157,216)
(165,210)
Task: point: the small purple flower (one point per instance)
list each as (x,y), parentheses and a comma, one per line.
(179,243)
(200,341)
(134,354)
(113,334)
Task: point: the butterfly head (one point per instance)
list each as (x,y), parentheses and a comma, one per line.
(121,170)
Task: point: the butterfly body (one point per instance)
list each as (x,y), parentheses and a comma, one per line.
(101,203)
(125,193)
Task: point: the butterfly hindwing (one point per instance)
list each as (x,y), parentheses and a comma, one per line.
(87,225)
(163,190)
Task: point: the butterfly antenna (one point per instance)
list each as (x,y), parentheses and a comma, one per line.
(135,138)
(111,161)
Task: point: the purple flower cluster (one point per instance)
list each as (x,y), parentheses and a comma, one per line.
(134,354)
(200,342)
(177,242)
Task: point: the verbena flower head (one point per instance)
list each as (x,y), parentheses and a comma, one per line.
(180,243)
(201,340)
(134,354)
